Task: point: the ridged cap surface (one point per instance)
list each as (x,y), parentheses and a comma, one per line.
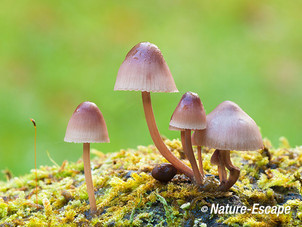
(145,69)
(87,125)
(230,128)
(189,113)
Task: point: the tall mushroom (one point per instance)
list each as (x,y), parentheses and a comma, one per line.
(87,125)
(144,69)
(189,115)
(229,128)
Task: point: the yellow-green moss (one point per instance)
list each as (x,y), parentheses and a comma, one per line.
(127,195)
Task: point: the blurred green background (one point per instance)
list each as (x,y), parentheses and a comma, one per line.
(57,54)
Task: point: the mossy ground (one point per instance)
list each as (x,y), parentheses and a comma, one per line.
(127,195)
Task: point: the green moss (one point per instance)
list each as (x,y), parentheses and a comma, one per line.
(127,195)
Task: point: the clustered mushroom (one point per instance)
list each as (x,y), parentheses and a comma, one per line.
(144,69)
(226,128)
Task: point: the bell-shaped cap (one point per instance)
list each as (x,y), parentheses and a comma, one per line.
(145,69)
(189,113)
(87,125)
(230,128)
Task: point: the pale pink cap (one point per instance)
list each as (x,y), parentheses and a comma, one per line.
(145,69)
(87,125)
(172,128)
(189,113)
(230,128)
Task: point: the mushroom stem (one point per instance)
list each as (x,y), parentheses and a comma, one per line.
(217,159)
(234,171)
(158,142)
(221,169)
(190,155)
(183,155)
(182,137)
(88,178)
(200,160)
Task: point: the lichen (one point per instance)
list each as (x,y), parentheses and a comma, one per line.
(127,195)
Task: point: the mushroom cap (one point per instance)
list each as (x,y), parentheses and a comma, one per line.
(189,113)
(145,69)
(230,128)
(87,125)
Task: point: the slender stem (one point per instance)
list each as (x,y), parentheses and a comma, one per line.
(217,159)
(158,142)
(88,178)
(182,137)
(234,171)
(200,160)
(35,126)
(221,169)
(36,164)
(190,155)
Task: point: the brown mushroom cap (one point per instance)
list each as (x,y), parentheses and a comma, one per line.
(87,125)
(145,69)
(230,128)
(189,113)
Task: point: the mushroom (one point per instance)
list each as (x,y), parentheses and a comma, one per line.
(189,115)
(229,128)
(87,125)
(144,69)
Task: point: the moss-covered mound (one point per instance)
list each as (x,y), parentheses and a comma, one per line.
(127,195)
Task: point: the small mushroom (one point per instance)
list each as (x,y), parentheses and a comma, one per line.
(86,126)
(229,128)
(145,69)
(164,172)
(189,115)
